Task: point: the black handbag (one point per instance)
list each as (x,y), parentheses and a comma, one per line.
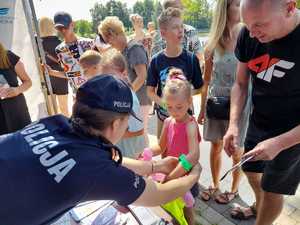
(218,108)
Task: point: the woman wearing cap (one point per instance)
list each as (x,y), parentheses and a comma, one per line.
(62,162)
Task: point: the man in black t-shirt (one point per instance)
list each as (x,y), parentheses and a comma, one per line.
(268,47)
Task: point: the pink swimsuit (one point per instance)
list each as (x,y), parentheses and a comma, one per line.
(177,138)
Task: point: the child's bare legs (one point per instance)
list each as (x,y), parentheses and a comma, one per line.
(189,215)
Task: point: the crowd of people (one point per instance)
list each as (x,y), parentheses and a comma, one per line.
(247,76)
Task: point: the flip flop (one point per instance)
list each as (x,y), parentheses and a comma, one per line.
(227,197)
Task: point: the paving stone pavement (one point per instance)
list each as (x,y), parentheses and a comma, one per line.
(215,214)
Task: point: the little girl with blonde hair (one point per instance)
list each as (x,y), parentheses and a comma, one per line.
(180,134)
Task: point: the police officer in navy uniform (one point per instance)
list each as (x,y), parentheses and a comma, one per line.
(52,165)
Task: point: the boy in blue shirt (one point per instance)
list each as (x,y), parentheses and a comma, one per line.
(171,28)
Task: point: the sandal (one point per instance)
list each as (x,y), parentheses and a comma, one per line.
(226,197)
(207,194)
(240,212)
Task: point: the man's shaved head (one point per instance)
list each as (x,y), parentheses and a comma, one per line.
(258,3)
(261,17)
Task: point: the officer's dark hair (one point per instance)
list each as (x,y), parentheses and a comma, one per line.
(92,121)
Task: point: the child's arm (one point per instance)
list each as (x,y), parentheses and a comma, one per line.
(162,145)
(151,92)
(194,151)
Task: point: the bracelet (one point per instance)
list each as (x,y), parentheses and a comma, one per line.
(186,165)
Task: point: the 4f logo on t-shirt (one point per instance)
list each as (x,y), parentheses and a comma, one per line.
(267,67)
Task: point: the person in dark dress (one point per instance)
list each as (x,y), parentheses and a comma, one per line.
(14,113)
(49,42)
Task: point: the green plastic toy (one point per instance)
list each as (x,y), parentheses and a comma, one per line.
(175,208)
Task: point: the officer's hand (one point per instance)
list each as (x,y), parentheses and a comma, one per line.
(166,165)
(196,171)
